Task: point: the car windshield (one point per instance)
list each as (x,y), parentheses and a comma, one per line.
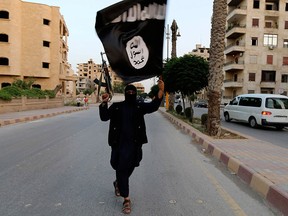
(276,103)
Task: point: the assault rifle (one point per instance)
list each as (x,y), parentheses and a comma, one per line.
(107,79)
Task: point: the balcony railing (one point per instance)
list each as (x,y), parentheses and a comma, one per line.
(232,84)
(237,47)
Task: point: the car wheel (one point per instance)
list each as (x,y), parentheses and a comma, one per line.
(227,117)
(252,122)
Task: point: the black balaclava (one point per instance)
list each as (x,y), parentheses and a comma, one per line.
(130,98)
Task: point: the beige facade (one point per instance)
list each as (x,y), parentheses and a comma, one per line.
(33,44)
(204,53)
(88,72)
(140,88)
(200,51)
(256,48)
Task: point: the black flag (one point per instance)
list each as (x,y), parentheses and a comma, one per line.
(132,32)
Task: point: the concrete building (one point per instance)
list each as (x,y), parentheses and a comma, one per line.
(256,48)
(200,51)
(140,88)
(88,72)
(204,53)
(33,44)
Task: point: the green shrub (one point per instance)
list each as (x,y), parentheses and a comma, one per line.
(5,96)
(189,112)
(13,91)
(179,109)
(50,93)
(16,92)
(34,93)
(204,119)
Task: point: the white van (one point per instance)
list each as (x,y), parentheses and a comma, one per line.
(259,109)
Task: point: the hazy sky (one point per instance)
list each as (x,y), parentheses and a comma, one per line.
(193,18)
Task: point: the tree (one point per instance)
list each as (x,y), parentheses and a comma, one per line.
(118,87)
(187,74)
(216,61)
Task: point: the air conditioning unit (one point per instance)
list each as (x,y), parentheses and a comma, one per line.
(271,47)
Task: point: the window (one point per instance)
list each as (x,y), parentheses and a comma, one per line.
(4,38)
(4,84)
(46,43)
(269,59)
(234,101)
(4,15)
(252,77)
(270,39)
(37,86)
(286,7)
(251,91)
(285,60)
(268,24)
(285,43)
(45,65)
(286,25)
(254,41)
(269,6)
(249,101)
(284,78)
(253,59)
(268,76)
(46,22)
(256,4)
(4,61)
(255,22)
(267,90)
(276,103)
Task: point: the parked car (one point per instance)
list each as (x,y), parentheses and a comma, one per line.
(258,109)
(201,103)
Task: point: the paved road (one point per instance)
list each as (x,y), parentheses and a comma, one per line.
(60,166)
(268,134)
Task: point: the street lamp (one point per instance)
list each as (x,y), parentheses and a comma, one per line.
(167,32)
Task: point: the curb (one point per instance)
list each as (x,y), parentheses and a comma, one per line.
(36,117)
(266,188)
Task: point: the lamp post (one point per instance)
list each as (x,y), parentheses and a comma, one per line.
(167,32)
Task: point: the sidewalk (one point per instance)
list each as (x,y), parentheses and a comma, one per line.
(263,166)
(24,116)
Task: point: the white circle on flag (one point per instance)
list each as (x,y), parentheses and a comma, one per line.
(137,52)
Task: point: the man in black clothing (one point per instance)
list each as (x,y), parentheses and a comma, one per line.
(127,134)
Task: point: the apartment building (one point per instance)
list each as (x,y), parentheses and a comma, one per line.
(89,71)
(33,44)
(256,48)
(200,51)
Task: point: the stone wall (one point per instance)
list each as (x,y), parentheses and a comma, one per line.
(24,103)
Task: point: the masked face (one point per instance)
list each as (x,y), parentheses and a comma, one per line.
(130,94)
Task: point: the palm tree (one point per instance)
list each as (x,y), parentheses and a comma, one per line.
(216,61)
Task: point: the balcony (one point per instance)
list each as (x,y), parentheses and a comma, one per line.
(233,66)
(233,2)
(234,48)
(235,31)
(232,84)
(267,84)
(237,14)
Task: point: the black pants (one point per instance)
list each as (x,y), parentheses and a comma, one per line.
(122,177)
(124,159)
